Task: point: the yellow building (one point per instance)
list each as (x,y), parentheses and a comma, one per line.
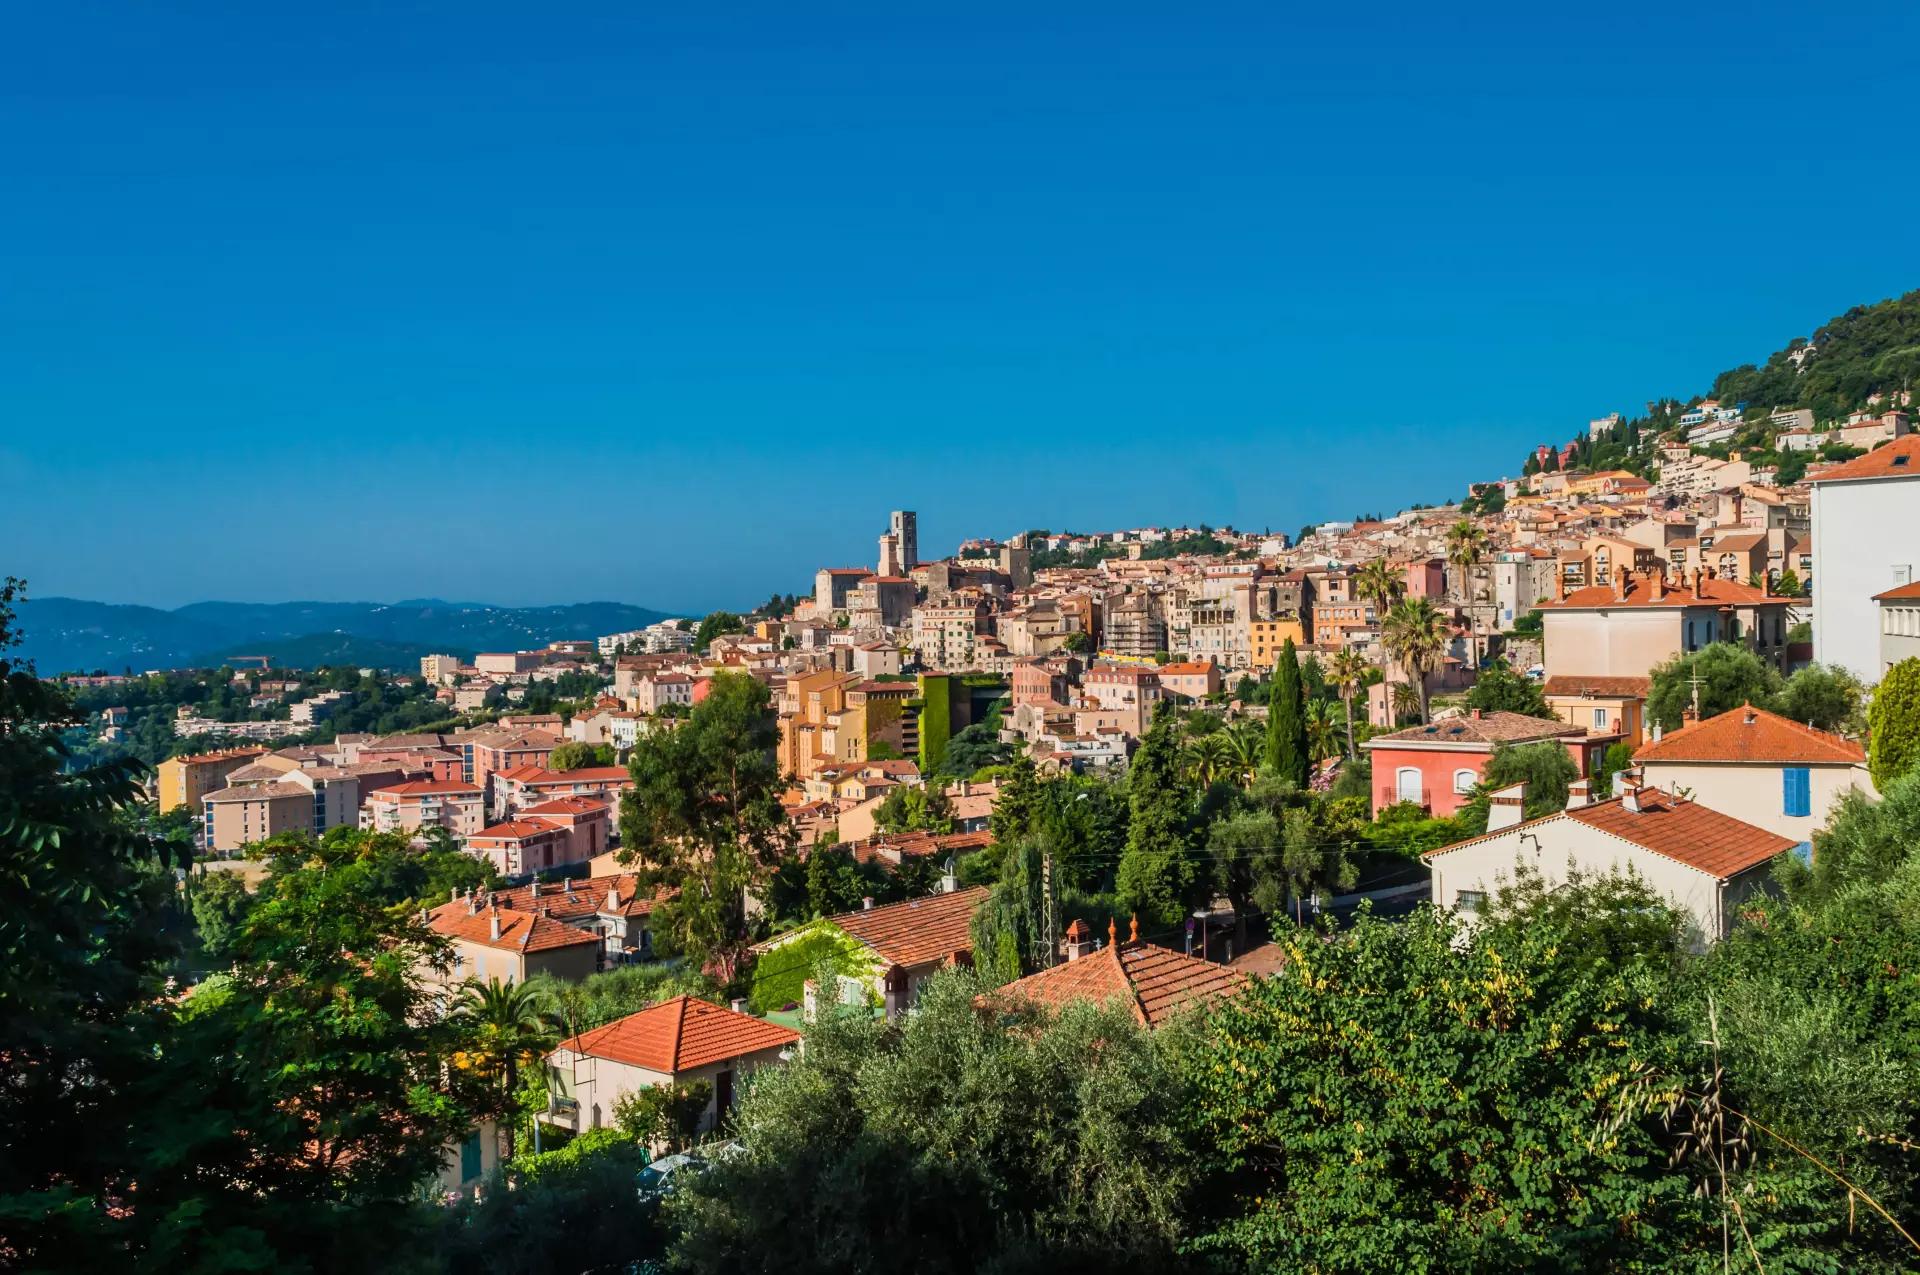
(184,781)
(1266,637)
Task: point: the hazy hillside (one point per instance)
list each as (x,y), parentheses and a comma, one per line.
(69,634)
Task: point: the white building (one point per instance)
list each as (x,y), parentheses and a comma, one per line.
(1866,540)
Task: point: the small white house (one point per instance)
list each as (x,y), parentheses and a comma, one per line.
(1705,863)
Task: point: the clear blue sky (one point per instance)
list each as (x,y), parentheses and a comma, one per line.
(549,303)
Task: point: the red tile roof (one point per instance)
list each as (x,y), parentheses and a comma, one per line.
(1640,593)
(515,829)
(1904,593)
(1153,982)
(426,788)
(680,1035)
(1488,728)
(1898,459)
(919,931)
(519,931)
(1584,684)
(1684,831)
(1755,737)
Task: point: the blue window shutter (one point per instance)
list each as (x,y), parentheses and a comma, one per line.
(1796,791)
(470,1157)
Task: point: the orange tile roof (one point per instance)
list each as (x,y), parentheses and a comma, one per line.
(1898,459)
(586,899)
(919,931)
(1686,832)
(1756,737)
(1585,684)
(680,1035)
(1904,593)
(519,931)
(543,777)
(1491,728)
(1639,593)
(569,806)
(1153,982)
(514,829)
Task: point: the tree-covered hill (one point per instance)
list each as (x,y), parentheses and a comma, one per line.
(1870,348)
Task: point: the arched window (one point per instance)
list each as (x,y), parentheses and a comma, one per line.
(1407,783)
(1464,780)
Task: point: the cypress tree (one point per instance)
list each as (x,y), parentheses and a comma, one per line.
(1287,720)
(1156,872)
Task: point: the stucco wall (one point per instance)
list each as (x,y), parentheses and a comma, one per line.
(1861,532)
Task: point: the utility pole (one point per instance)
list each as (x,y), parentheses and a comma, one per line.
(1048,944)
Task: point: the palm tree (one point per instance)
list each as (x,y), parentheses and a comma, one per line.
(1208,757)
(1466,541)
(510,1023)
(1376,582)
(1415,635)
(1406,701)
(1323,733)
(1246,749)
(1345,672)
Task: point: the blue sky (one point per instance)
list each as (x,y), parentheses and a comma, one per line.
(536,304)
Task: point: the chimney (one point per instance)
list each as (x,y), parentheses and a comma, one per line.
(493,924)
(453,895)
(866,904)
(613,898)
(569,886)
(1476,714)
(1658,731)
(1506,807)
(738,1004)
(533,889)
(1079,940)
(1657,582)
(1579,793)
(1630,797)
(1751,716)
(949,883)
(1620,584)
(1688,717)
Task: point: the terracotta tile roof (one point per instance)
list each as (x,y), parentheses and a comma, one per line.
(431,787)
(1753,736)
(1268,958)
(1585,684)
(893,846)
(919,931)
(519,931)
(1153,982)
(585,900)
(680,1035)
(1488,728)
(1686,832)
(1898,459)
(569,806)
(515,829)
(1639,593)
(1905,593)
(541,777)
(258,792)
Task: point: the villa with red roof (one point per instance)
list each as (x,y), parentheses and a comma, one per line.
(676,1042)
(1637,619)
(517,788)
(1704,862)
(1774,773)
(428,803)
(1437,766)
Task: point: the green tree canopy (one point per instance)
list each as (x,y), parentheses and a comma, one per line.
(1500,689)
(1287,754)
(1156,872)
(1894,723)
(1730,676)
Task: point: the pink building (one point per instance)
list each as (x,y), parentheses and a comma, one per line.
(457,807)
(1437,766)
(524,786)
(1195,680)
(1427,579)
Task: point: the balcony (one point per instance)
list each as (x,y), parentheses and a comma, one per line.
(1389,794)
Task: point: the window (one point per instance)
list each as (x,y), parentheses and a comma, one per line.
(1600,719)
(1407,783)
(470,1157)
(1804,852)
(1796,791)
(1470,900)
(1464,780)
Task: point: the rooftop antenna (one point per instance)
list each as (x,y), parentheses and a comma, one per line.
(1696,681)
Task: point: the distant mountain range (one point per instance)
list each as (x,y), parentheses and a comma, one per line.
(63,635)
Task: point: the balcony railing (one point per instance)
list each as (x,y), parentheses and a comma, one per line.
(1392,793)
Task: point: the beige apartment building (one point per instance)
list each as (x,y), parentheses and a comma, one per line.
(185,781)
(1642,619)
(234,817)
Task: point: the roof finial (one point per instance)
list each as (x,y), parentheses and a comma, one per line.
(1133,935)
(1113,932)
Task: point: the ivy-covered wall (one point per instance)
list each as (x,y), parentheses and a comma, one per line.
(936,720)
(780,976)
